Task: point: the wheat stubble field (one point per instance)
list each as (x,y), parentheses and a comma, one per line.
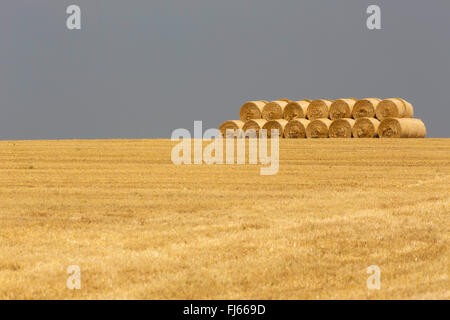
(140,227)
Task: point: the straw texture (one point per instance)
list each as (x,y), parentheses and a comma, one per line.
(278,124)
(296,128)
(273,110)
(394,108)
(251,110)
(402,128)
(255,124)
(230,125)
(341,128)
(342,108)
(295,109)
(365,128)
(365,108)
(318,109)
(318,128)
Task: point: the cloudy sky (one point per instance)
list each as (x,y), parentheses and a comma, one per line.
(140,69)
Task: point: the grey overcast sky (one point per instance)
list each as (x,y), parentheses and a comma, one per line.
(140,69)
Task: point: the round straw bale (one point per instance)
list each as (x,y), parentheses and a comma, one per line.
(365,128)
(296,128)
(365,108)
(409,109)
(402,128)
(318,128)
(278,124)
(341,128)
(230,125)
(318,109)
(342,108)
(251,110)
(394,108)
(295,109)
(255,124)
(273,110)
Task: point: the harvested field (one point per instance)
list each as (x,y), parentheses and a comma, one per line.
(140,227)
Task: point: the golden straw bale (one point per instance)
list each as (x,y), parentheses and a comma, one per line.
(342,108)
(230,125)
(365,128)
(394,108)
(274,110)
(341,128)
(296,128)
(365,108)
(402,128)
(255,124)
(278,124)
(295,109)
(318,109)
(318,128)
(251,110)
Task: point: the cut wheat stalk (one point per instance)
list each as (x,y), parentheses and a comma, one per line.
(402,128)
(251,110)
(394,108)
(341,128)
(296,128)
(319,109)
(342,108)
(365,128)
(295,109)
(318,128)
(365,108)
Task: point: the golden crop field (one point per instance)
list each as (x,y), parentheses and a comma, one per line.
(139,226)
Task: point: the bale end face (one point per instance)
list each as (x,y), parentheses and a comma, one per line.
(365,128)
(254,124)
(318,109)
(278,124)
(296,129)
(394,108)
(341,128)
(342,108)
(295,109)
(233,125)
(273,110)
(251,110)
(365,108)
(318,128)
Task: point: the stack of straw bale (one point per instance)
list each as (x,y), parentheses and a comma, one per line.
(324,118)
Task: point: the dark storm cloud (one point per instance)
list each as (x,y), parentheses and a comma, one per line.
(139,69)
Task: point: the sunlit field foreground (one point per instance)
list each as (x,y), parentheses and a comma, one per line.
(140,227)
